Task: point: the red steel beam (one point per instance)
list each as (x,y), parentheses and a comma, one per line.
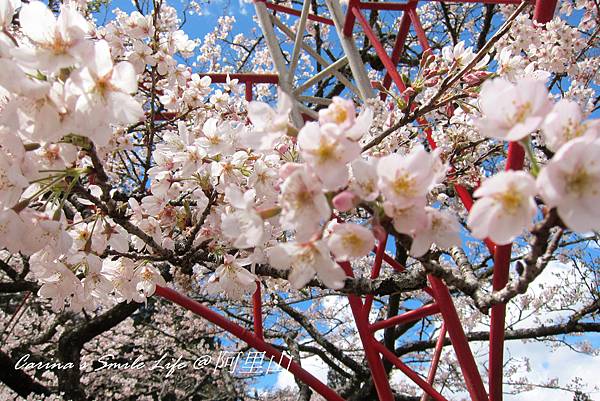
(257,312)
(375,270)
(409,316)
(416,22)
(436,359)
(397,51)
(389,65)
(250,339)
(297,13)
(380,378)
(390,356)
(385,5)
(459,340)
(349,20)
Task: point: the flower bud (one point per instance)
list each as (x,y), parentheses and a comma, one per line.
(282,148)
(344,201)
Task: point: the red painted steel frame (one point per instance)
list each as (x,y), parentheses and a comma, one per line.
(252,340)
(248,79)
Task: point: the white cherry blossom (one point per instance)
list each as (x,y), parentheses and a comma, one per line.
(59,41)
(363,181)
(571,183)
(349,241)
(304,260)
(103,90)
(12,180)
(303,204)
(407,219)
(441,229)
(148,277)
(269,125)
(342,113)
(244,225)
(404,180)
(231,280)
(505,207)
(565,122)
(327,153)
(511,111)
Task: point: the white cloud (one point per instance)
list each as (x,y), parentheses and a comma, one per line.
(313,364)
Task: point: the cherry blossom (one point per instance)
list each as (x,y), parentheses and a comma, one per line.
(104,89)
(124,167)
(441,229)
(268,124)
(304,260)
(60,41)
(231,279)
(364,179)
(349,241)
(12,181)
(148,277)
(506,207)
(570,182)
(511,111)
(244,225)
(565,122)
(327,153)
(403,180)
(303,204)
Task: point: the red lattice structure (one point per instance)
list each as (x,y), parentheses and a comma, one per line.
(442,304)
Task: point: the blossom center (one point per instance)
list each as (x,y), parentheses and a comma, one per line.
(325,151)
(579,181)
(352,240)
(511,200)
(404,185)
(339,115)
(522,111)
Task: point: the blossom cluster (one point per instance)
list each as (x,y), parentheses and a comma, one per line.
(237,179)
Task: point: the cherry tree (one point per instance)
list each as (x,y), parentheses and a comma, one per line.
(398,191)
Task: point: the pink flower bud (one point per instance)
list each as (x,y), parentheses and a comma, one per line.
(431,82)
(409,92)
(282,148)
(344,201)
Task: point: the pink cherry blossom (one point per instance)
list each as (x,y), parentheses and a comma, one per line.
(269,124)
(243,225)
(303,204)
(59,41)
(565,122)
(441,229)
(231,280)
